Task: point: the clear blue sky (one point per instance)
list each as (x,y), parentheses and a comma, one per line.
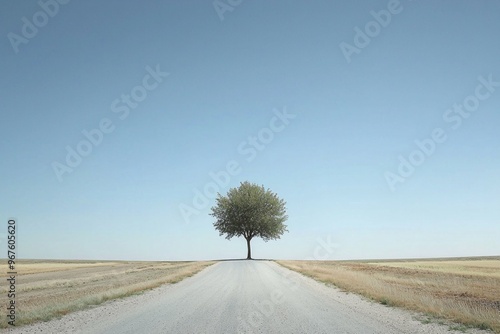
(353,116)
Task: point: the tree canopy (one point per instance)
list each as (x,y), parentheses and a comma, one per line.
(250,211)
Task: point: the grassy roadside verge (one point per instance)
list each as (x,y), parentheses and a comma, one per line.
(50,289)
(463,291)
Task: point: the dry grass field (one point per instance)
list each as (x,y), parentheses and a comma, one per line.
(466,291)
(48,289)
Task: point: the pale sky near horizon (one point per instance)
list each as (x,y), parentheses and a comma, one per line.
(376,121)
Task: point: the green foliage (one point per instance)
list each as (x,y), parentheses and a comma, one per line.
(250,211)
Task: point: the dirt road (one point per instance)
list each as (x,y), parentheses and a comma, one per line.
(241,297)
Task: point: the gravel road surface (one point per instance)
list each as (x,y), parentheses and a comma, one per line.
(241,297)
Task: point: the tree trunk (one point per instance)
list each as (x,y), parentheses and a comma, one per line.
(249,254)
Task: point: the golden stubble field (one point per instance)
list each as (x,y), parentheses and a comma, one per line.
(460,290)
(46,289)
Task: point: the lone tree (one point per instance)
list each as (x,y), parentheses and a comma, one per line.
(250,211)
